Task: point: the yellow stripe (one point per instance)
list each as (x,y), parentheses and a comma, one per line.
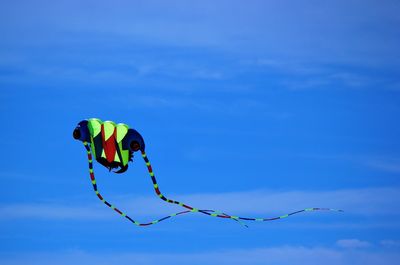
(122,130)
(155,186)
(93,181)
(151,174)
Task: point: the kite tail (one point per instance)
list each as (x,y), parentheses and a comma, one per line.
(89,154)
(216,213)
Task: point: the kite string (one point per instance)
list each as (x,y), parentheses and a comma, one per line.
(94,184)
(215,213)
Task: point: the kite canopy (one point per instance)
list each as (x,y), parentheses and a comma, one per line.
(112,144)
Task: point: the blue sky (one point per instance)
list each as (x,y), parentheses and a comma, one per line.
(256,108)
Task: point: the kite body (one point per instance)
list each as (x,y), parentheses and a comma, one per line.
(113,146)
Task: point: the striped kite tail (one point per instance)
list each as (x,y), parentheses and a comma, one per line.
(101,198)
(217,213)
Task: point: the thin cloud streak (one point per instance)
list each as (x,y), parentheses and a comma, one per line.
(355,202)
(51,211)
(314,32)
(353,243)
(274,255)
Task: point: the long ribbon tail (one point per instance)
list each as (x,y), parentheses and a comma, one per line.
(94,184)
(216,213)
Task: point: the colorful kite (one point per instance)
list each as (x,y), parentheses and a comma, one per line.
(113,146)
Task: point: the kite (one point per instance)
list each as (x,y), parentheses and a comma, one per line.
(114,145)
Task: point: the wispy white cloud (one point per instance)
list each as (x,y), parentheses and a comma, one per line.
(377,162)
(335,31)
(261,203)
(51,211)
(282,255)
(353,201)
(311,75)
(390,243)
(389,164)
(353,243)
(233,107)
